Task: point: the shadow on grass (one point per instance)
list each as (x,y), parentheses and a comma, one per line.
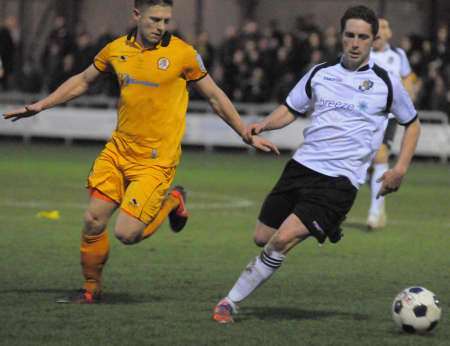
(109,298)
(275,313)
(359,226)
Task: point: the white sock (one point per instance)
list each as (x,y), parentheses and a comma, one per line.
(257,271)
(376,205)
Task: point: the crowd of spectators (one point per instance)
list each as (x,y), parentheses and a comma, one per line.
(252,64)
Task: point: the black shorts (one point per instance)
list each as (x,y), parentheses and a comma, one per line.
(321,202)
(389,134)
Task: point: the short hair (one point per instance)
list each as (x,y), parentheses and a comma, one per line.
(142,3)
(361,12)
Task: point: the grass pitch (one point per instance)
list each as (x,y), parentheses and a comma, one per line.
(162,291)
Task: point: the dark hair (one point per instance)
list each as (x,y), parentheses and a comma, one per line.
(361,12)
(141,3)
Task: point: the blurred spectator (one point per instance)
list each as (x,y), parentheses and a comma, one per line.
(331,44)
(7,51)
(441,44)
(174,30)
(83,52)
(29,77)
(52,60)
(256,88)
(60,35)
(226,54)
(434,92)
(63,72)
(59,44)
(206,50)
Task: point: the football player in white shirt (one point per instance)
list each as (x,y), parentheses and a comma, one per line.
(348,102)
(395,61)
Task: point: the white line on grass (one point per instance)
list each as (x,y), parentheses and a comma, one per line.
(225,202)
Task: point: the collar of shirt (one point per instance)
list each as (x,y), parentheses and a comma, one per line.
(365,67)
(131,38)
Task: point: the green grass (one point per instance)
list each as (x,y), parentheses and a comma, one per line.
(162,291)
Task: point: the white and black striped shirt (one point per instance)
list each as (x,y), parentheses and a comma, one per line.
(348,116)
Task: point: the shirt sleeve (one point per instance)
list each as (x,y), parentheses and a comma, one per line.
(101,60)
(299,99)
(194,68)
(402,105)
(405,67)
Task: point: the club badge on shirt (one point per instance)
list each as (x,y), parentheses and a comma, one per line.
(366,85)
(163,64)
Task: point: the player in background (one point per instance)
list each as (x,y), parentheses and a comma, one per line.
(137,166)
(395,61)
(349,101)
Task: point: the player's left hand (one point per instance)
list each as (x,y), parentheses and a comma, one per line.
(263,144)
(391,181)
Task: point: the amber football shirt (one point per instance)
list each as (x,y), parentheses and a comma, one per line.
(153,93)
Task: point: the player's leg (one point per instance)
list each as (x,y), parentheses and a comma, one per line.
(106,187)
(146,205)
(291,232)
(377,215)
(263,233)
(377,212)
(274,213)
(94,247)
(307,203)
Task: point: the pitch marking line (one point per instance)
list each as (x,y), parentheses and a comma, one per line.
(225,202)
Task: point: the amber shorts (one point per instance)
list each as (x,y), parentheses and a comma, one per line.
(138,186)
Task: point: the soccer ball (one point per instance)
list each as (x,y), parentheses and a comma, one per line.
(416,310)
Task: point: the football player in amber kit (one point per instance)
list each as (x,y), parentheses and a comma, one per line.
(136,168)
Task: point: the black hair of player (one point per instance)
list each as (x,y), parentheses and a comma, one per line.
(361,12)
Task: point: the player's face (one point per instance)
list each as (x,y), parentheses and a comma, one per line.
(357,39)
(383,36)
(152,22)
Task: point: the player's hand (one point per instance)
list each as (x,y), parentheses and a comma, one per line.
(252,130)
(24,112)
(391,181)
(264,144)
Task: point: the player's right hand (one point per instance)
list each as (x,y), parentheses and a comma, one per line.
(252,130)
(24,112)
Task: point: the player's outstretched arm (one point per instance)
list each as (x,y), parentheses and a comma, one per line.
(392,179)
(223,106)
(70,89)
(278,119)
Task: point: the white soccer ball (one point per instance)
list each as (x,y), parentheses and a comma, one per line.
(416,310)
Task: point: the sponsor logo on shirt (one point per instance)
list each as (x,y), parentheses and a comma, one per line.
(322,103)
(125,80)
(332,79)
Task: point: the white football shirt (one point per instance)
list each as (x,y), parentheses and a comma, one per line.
(348,116)
(394,60)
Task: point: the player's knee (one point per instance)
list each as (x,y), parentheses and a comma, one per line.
(93,223)
(126,237)
(260,240)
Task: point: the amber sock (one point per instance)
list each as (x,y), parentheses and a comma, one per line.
(168,205)
(94,254)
